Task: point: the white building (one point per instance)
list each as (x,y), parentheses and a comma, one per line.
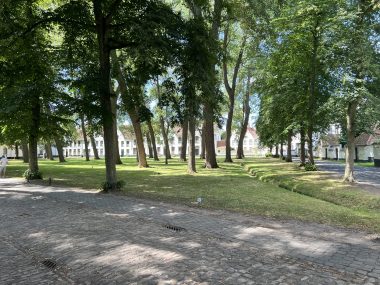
(251,144)
(128,147)
(331,146)
(126,141)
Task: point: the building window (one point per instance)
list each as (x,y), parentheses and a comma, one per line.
(101,143)
(122,143)
(173,148)
(127,142)
(97,143)
(197,139)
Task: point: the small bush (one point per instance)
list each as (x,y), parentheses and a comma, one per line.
(268,154)
(29,175)
(310,167)
(106,186)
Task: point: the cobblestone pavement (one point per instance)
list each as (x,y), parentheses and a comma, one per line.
(89,238)
(364,175)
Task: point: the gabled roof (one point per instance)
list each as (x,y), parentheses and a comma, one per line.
(127,132)
(330,140)
(367,139)
(221,144)
(252,132)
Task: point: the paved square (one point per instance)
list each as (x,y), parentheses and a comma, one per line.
(93,238)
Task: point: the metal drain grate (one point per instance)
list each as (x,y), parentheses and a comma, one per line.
(174,228)
(49,264)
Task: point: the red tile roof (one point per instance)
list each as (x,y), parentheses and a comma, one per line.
(365,139)
(221,144)
(252,131)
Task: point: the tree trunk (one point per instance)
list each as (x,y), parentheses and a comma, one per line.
(191,166)
(49,153)
(58,144)
(289,147)
(210,104)
(165,137)
(185,127)
(117,152)
(312,95)
(211,101)
(149,143)
(139,139)
(94,148)
(246,112)
(302,154)
(231,89)
(105,95)
(33,154)
(276,151)
(25,152)
(84,138)
(133,114)
(310,144)
(153,140)
(350,150)
(209,137)
(282,149)
(229,130)
(203,146)
(33,135)
(16,152)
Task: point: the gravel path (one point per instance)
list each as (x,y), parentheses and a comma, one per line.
(53,235)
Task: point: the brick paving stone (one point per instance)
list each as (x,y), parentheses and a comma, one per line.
(106,239)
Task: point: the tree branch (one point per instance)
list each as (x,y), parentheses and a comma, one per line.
(225,68)
(238,63)
(113,8)
(115,44)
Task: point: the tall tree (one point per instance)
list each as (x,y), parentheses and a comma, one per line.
(212,93)
(231,87)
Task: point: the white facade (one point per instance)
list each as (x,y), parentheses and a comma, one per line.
(251,144)
(128,147)
(330,146)
(10,151)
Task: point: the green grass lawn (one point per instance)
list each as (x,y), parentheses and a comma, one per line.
(230,187)
(317,184)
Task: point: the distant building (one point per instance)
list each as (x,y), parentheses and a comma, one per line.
(251,144)
(331,147)
(127,143)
